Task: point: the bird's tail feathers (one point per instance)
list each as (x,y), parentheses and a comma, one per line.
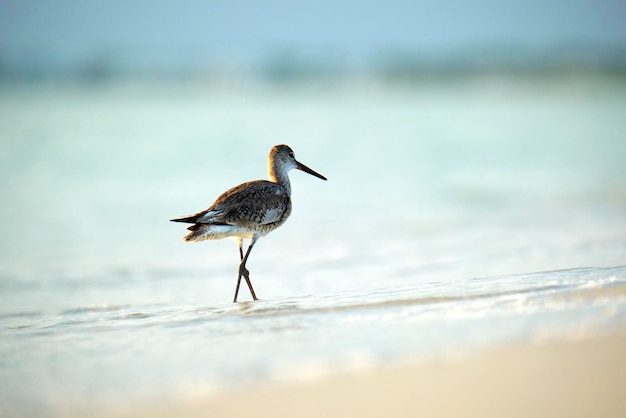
(198,232)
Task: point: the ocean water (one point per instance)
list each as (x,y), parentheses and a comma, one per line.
(456,218)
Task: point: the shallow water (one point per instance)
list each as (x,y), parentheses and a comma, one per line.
(99,355)
(441,203)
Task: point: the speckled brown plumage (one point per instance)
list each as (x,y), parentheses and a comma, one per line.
(250,210)
(254,207)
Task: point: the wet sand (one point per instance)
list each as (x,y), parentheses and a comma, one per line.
(567,376)
(577,377)
(566,379)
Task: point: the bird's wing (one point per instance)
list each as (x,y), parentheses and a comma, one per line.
(254,203)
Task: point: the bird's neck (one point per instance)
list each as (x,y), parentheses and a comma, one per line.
(279,176)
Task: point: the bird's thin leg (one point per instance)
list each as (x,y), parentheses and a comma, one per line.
(242,267)
(246,273)
(243,271)
(240,244)
(237,289)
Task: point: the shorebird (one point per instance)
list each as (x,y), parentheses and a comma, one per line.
(250,210)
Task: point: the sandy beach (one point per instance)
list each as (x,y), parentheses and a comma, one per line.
(567,376)
(566,379)
(575,377)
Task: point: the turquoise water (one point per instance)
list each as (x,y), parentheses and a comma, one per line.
(441,200)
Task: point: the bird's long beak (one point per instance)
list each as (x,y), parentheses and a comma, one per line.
(306,169)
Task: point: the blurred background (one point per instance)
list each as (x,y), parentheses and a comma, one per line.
(460,140)
(465,144)
(280,41)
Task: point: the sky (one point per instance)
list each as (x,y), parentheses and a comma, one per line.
(68,31)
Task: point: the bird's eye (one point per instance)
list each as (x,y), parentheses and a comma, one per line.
(291,155)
